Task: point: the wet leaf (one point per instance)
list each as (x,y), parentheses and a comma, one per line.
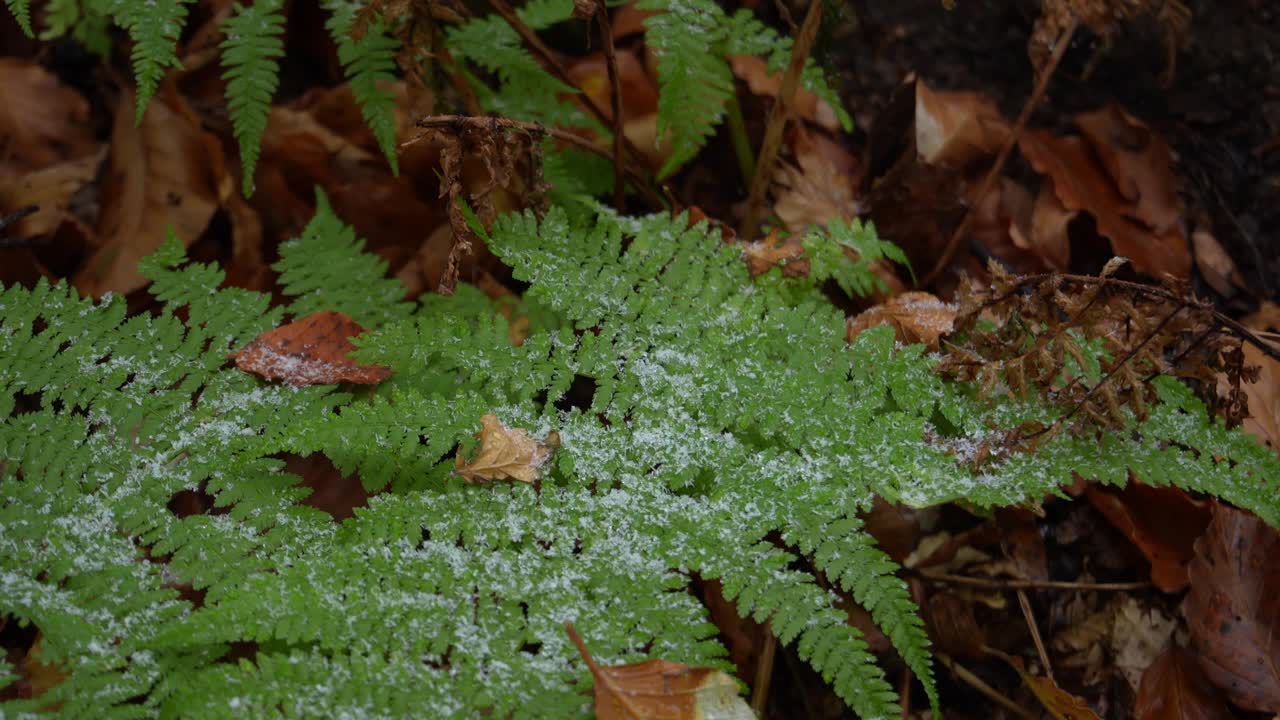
(1174,688)
(505,454)
(662,690)
(163,174)
(313,350)
(788,253)
(1233,608)
(916,317)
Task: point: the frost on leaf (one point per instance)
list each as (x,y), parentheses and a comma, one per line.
(505,454)
(312,351)
(663,689)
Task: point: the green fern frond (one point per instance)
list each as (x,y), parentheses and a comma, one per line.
(369,62)
(21,10)
(526,91)
(154,27)
(251,55)
(694,78)
(326,268)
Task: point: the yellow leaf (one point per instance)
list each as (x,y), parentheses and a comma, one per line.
(505,454)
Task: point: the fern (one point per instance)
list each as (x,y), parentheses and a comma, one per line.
(21,10)
(154,27)
(726,413)
(250,54)
(368,61)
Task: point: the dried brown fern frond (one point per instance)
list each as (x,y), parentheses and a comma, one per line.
(1092,345)
(1103,18)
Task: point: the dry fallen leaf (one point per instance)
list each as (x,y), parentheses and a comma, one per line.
(1082,184)
(1162,522)
(51,189)
(505,454)
(762,256)
(755,72)
(1233,608)
(1059,703)
(164,174)
(313,350)
(42,121)
(1140,633)
(662,690)
(819,186)
(1264,395)
(954,128)
(1214,264)
(1139,163)
(916,317)
(1174,688)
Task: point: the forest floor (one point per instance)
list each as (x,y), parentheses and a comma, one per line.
(1180,174)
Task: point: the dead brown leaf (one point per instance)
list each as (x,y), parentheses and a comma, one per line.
(1233,608)
(164,174)
(916,317)
(1264,395)
(755,72)
(1046,234)
(819,186)
(1214,264)
(1162,522)
(787,253)
(51,189)
(505,454)
(662,690)
(954,128)
(42,121)
(1174,688)
(1082,184)
(314,350)
(1139,163)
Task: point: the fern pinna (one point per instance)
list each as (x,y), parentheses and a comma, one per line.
(726,414)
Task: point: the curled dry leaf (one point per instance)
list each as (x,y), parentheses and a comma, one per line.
(954,128)
(164,174)
(505,454)
(311,351)
(1174,688)
(1233,608)
(916,317)
(662,690)
(42,121)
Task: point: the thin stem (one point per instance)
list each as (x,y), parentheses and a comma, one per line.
(778,119)
(1042,84)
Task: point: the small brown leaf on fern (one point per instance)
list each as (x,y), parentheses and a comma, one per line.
(314,350)
(662,690)
(505,454)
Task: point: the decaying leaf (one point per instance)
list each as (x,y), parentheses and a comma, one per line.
(1059,703)
(1233,608)
(916,317)
(820,185)
(505,454)
(313,350)
(755,72)
(1174,688)
(1162,522)
(164,174)
(42,121)
(954,128)
(662,690)
(787,253)
(1264,395)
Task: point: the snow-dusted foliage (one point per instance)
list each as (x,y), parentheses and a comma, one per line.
(701,416)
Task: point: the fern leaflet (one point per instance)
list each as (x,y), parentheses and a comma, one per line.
(250,53)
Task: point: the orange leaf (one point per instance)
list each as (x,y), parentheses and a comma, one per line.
(1233,607)
(916,317)
(1059,703)
(505,454)
(662,690)
(954,128)
(1162,522)
(763,255)
(311,351)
